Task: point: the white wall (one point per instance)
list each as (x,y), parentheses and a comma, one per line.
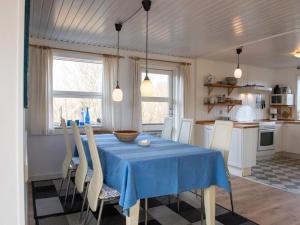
(12,204)
(251,75)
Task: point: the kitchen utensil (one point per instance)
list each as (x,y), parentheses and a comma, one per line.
(231,80)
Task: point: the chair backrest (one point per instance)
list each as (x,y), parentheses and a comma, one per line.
(68,157)
(185,131)
(168,127)
(221,138)
(82,169)
(96,182)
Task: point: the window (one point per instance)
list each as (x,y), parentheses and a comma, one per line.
(158,106)
(298,97)
(77,85)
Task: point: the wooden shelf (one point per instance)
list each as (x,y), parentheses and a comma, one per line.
(229,87)
(228,105)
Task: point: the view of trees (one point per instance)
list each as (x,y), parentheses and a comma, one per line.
(78,84)
(73,79)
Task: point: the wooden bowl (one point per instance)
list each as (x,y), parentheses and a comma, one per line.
(126,135)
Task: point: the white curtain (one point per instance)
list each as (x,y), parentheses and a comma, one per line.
(111,118)
(182,85)
(136,106)
(185,71)
(40,91)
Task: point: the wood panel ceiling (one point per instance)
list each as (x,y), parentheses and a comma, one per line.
(189,28)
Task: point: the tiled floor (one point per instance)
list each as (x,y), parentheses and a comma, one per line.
(49,210)
(279,172)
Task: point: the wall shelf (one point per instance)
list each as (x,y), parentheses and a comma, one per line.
(228,105)
(229,87)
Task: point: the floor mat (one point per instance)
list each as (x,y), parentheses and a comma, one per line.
(279,172)
(49,210)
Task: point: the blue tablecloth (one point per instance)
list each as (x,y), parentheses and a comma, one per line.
(164,168)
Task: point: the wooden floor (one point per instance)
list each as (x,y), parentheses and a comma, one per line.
(259,203)
(262,204)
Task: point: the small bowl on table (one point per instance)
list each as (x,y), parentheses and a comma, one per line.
(126,135)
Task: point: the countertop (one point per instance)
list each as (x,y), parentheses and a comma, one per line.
(254,124)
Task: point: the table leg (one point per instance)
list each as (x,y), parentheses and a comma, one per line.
(133,218)
(210,205)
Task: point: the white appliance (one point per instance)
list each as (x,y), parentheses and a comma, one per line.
(245,113)
(254,89)
(273,113)
(282,99)
(266,136)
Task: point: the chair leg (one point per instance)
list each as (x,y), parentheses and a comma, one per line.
(73,197)
(231,199)
(146,211)
(87,215)
(83,204)
(178,203)
(61,184)
(100,212)
(67,191)
(202,206)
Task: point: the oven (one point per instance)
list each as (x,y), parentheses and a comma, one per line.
(266,136)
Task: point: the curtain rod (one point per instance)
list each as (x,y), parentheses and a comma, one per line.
(63,49)
(160,60)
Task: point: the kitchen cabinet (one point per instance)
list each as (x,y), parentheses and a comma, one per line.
(291,138)
(278,137)
(242,155)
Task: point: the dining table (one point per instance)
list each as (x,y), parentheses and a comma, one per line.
(165,167)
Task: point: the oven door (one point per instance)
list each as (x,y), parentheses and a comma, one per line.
(266,139)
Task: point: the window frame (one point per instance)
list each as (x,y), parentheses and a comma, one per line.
(298,96)
(76,57)
(158,70)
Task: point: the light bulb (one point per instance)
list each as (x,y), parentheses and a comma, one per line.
(146,88)
(238,73)
(117,95)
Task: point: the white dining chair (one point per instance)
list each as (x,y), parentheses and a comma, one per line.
(221,141)
(70,163)
(97,190)
(167,129)
(83,173)
(185,131)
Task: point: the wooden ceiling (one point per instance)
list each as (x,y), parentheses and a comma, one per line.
(268,29)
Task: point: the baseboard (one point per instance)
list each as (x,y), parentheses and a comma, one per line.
(47,176)
(289,155)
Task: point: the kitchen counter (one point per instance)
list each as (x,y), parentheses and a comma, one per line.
(254,124)
(236,124)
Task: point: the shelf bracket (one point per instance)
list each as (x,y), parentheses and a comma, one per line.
(230,91)
(229,108)
(210,107)
(210,89)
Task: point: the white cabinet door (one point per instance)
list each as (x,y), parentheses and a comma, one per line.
(235,154)
(291,138)
(278,138)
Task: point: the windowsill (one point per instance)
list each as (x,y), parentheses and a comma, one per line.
(60,131)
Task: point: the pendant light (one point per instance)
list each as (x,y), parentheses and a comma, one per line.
(238,72)
(146,86)
(117,94)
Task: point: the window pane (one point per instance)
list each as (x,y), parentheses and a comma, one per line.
(154,112)
(71,108)
(160,84)
(298,98)
(77,76)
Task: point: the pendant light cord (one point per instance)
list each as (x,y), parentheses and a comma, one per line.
(238,59)
(147,78)
(118,59)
